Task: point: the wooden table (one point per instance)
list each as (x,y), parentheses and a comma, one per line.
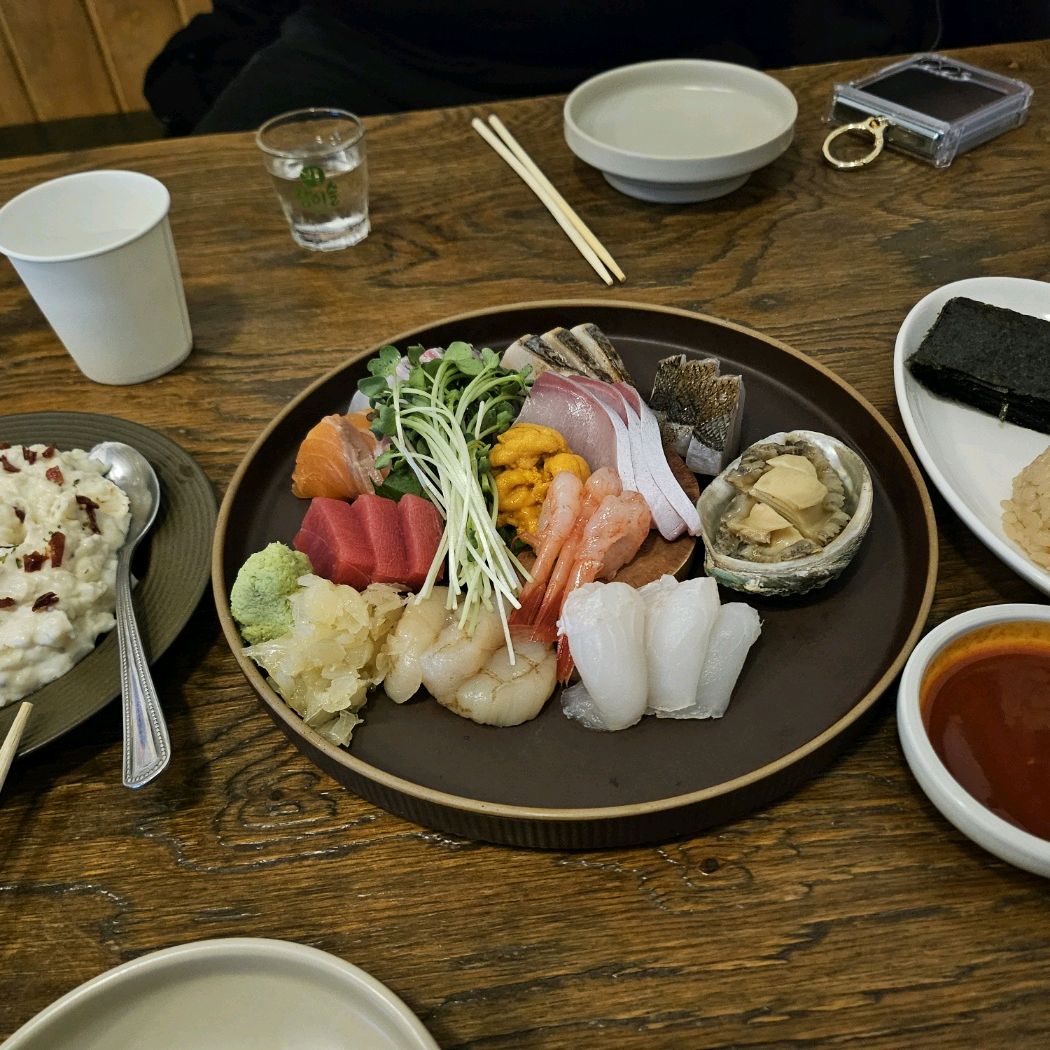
(849,913)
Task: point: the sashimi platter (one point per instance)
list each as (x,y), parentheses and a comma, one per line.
(574,574)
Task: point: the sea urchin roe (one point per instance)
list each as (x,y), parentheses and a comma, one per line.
(985,702)
(524,460)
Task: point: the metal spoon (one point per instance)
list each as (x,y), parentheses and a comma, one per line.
(147,748)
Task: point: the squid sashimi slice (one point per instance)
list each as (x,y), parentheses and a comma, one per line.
(582,421)
(656,460)
(736,630)
(605,626)
(679,618)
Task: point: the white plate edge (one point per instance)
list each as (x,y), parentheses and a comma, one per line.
(1006,553)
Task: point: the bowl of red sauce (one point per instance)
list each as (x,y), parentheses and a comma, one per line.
(973,714)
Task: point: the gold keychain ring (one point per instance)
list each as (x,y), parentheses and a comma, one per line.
(873,126)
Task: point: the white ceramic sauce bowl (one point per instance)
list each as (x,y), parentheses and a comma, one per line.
(679,130)
(977,822)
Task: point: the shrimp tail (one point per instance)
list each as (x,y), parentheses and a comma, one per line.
(530,599)
(565,662)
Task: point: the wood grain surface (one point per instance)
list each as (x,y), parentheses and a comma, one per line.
(847,914)
(78,58)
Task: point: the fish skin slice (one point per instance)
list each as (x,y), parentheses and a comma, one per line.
(600,347)
(690,392)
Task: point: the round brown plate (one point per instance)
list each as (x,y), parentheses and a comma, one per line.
(172,563)
(821,663)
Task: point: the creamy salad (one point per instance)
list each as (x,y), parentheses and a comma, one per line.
(61,526)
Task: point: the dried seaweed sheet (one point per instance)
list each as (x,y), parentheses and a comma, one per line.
(991,358)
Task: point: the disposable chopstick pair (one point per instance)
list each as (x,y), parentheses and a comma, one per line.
(14,735)
(575,228)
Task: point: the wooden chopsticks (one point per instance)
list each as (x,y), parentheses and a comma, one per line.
(14,735)
(575,228)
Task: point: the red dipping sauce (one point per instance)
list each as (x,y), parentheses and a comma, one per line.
(985,702)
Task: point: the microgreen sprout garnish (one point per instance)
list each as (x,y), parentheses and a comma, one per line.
(442,421)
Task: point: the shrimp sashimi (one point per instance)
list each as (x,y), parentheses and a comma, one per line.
(337,459)
(561,507)
(605,626)
(610,540)
(602,483)
(416,633)
(679,617)
(505,694)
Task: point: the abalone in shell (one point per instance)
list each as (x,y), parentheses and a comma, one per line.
(787,516)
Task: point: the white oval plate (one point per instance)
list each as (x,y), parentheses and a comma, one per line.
(238,993)
(969,455)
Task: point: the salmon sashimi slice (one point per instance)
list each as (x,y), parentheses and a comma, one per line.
(337,459)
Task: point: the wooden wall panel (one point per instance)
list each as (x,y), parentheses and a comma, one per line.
(81,58)
(189,8)
(15,107)
(130,33)
(64,70)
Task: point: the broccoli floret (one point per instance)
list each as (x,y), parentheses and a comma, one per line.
(259,596)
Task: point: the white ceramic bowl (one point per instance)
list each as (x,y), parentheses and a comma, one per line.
(236,993)
(679,130)
(974,820)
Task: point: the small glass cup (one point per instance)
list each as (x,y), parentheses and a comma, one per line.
(316,160)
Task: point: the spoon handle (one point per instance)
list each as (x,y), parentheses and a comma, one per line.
(147,748)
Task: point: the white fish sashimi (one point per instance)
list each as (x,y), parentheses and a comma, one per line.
(666,518)
(679,620)
(554,402)
(605,627)
(657,460)
(736,630)
(613,409)
(516,357)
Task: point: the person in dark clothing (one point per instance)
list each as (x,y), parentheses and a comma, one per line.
(248,60)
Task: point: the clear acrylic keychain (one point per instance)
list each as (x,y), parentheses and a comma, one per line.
(928,106)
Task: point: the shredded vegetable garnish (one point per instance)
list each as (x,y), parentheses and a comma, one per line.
(442,422)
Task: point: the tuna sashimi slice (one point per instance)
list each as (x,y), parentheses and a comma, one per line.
(422,527)
(377,518)
(338,549)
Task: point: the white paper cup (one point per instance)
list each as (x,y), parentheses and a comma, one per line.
(95,251)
